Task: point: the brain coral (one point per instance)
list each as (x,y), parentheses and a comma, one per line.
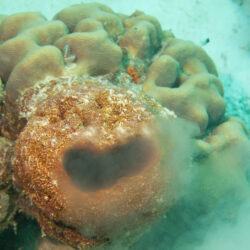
(88,103)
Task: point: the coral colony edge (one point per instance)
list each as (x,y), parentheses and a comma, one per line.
(103,117)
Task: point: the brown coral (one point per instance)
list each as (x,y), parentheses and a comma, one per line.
(73,112)
(7,196)
(70,154)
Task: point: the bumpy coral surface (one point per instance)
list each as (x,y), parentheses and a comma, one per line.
(70,157)
(83,103)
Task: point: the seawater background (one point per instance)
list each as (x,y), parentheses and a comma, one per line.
(226,23)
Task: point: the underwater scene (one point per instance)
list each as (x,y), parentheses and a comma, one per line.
(124,125)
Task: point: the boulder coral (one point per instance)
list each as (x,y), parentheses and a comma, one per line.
(87,100)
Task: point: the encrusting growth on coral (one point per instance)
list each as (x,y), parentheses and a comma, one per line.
(80,118)
(84,101)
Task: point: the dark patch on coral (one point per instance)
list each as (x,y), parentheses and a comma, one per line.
(91,170)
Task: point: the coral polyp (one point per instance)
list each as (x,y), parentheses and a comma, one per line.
(106,119)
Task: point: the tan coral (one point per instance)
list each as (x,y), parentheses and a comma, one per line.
(88,49)
(191,57)
(143,35)
(19,22)
(198,99)
(89,85)
(224,157)
(230,133)
(91,26)
(16,57)
(183,78)
(103,57)
(102,14)
(163,72)
(30,44)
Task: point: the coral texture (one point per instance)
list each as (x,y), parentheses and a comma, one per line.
(55,166)
(84,101)
(7,198)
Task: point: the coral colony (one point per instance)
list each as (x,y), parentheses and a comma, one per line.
(92,103)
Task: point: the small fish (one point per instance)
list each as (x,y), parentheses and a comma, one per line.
(206,41)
